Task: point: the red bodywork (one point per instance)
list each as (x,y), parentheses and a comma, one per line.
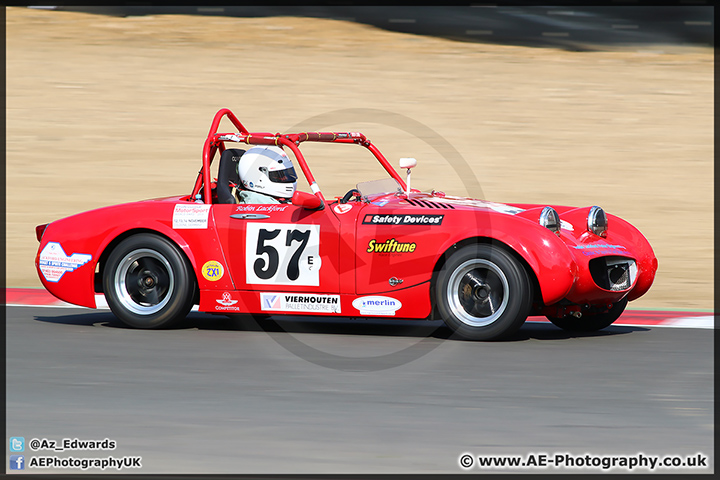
(352,252)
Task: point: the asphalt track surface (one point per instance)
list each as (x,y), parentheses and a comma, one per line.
(221,395)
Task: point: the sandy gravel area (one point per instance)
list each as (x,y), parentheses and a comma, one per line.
(104,110)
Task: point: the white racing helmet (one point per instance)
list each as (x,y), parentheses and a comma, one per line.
(267,170)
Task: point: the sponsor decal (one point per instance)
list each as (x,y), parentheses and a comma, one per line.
(371,219)
(226,303)
(601,249)
(193,215)
(270,301)
(226,300)
(498,207)
(231,137)
(261,208)
(377,305)
(390,246)
(502,208)
(297,302)
(212,270)
(598,245)
(342,208)
(54,262)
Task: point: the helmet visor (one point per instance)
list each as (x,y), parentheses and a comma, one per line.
(283,176)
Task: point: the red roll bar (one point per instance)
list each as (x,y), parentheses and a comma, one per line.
(216,141)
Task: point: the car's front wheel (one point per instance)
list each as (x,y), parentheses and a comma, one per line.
(591,322)
(148,282)
(483,293)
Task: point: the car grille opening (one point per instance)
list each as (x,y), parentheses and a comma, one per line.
(427,204)
(613,273)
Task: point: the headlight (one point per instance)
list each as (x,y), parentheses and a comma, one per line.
(597,222)
(550,219)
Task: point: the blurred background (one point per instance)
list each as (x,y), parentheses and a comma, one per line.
(570,26)
(609,106)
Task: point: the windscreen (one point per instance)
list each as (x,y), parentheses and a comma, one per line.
(374,187)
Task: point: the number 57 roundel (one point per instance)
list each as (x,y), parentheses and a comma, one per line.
(282,254)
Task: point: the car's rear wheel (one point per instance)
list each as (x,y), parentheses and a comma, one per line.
(483,293)
(148,282)
(591,322)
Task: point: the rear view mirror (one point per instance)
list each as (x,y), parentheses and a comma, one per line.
(408,163)
(307,200)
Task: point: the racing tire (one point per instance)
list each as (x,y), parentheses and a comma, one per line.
(483,293)
(148,282)
(588,322)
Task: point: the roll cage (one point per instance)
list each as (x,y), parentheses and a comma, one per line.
(216,142)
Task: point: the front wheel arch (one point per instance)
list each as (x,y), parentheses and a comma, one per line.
(482,292)
(442,260)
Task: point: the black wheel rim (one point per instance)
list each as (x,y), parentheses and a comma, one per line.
(144,282)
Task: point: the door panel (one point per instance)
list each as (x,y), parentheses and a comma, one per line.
(279,247)
(389,251)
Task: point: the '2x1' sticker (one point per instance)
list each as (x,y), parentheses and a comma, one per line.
(212,270)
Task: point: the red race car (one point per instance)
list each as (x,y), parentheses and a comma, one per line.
(249,242)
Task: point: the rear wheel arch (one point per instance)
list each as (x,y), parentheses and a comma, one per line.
(148,280)
(102,260)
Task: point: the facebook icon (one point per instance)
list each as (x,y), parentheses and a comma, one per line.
(17,462)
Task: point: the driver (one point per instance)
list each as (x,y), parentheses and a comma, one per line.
(267,176)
